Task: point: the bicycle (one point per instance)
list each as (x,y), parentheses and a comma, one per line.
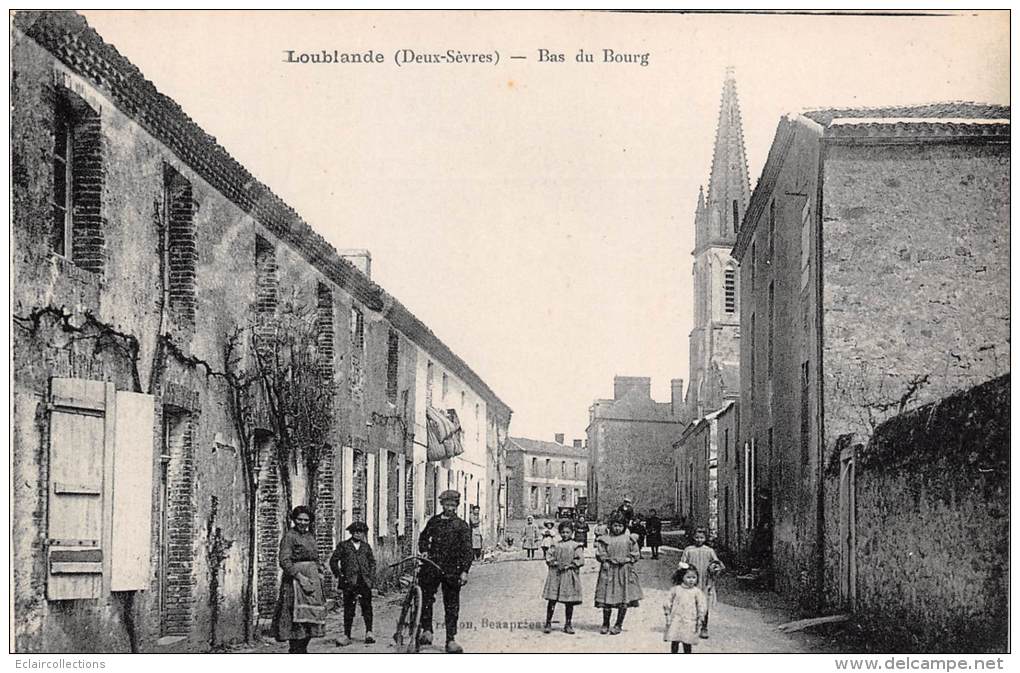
(406,636)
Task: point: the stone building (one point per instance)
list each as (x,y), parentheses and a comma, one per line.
(546,475)
(144,258)
(714,379)
(874,270)
(630,447)
(708,484)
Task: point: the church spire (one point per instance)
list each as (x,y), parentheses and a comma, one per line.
(729,188)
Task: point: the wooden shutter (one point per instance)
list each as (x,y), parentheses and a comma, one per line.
(79,436)
(132,492)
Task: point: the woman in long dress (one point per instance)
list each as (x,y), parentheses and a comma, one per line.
(301,608)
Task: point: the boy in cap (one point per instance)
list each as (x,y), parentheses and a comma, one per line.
(354,566)
(446,541)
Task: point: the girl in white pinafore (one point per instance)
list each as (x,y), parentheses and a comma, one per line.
(685,609)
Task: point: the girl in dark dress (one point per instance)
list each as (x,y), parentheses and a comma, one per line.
(300,609)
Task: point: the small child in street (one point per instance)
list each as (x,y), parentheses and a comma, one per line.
(547,538)
(617,586)
(563,585)
(707,564)
(530,537)
(685,608)
(354,566)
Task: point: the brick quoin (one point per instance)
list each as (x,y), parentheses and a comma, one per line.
(360,493)
(180,581)
(268,537)
(182,254)
(325,332)
(325,514)
(88,247)
(406,534)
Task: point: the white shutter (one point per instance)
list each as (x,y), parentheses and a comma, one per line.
(384,493)
(132,492)
(370,494)
(77,449)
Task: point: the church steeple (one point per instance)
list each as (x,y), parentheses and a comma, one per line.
(729,188)
(714,346)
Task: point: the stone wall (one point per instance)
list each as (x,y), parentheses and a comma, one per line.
(933,525)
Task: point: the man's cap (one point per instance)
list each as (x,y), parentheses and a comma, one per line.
(449,495)
(358,527)
(626,498)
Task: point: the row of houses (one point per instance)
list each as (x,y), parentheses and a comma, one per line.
(150,271)
(865,279)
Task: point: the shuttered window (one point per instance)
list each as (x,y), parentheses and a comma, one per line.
(100,489)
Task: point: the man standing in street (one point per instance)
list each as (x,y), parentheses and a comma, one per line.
(626,512)
(446,541)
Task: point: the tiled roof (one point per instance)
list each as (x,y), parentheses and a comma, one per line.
(68,36)
(934,119)
(545,448)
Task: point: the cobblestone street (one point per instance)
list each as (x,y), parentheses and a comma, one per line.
(502,612)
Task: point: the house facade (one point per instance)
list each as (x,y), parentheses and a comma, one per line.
(546,476)
(630,447)
(149,271)
(874,279)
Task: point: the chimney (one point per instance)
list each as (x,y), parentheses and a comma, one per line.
(577,444)
(623,384)
(676,397)
(559,437)
(360,258)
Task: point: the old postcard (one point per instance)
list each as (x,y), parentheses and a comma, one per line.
(510,332)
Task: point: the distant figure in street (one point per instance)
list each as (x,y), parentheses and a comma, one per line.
(601,530)
(301,607)
(707,564)
(563,585)
(581,531)
(617,586)
(638,528)
(446,541)
(353,564)
(547,538)
(530,537)
(626,511)
(653,533)
(476,532)
(685,608)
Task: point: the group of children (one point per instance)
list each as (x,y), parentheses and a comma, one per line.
(618,587)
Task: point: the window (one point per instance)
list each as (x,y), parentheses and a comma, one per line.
(548,467)
(730,290)
(478,424)
(772,325)
(463,397)
(563,495)
(446,385)
(357,330)
(754,263)
(392,359)
(726,445)
(805,410)
(577,496)
(548,499)
(563,469)
(533,499)
(63,178)
(576,474)
(77,225)
(772,229)
(736,217)
(428,384)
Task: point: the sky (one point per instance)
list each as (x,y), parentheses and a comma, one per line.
(537,215)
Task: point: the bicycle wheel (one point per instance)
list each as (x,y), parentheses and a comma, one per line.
(406,637)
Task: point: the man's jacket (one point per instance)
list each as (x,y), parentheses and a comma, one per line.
(353,566)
